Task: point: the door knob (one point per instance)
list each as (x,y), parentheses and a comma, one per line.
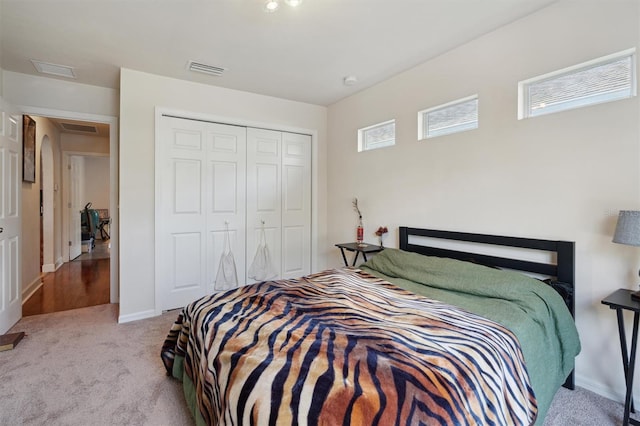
(1,229)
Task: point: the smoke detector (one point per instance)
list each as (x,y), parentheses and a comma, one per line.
(350,80)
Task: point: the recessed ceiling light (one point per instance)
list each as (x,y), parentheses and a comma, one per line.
(53,69)
(271,6)
(293,3)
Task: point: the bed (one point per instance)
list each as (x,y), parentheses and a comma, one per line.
(420,335)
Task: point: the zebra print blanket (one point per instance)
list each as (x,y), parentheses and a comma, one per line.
(344,347)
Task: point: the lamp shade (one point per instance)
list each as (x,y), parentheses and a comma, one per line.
(628,228)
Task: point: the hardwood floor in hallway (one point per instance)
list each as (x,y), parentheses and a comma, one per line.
(77,284)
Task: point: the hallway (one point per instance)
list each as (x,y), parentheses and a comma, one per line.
(77,284)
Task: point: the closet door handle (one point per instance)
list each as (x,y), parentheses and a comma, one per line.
(1,230)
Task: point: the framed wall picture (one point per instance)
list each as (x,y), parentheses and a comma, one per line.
(28,149)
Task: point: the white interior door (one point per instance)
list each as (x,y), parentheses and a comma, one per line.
(226,152)
(296,205)
(10,218)
(75,206)
(200,184)
(264,163)
(210,177)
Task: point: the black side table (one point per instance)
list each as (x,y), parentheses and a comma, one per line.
(620,300)
(355,247)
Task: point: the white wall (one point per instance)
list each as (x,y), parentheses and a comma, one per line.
(31,208)
(141,93)
(79,143)
(96,182)
(30,90)
(561,176)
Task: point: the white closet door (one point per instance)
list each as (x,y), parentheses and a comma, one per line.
(226,205)
(279,193)
(296,205)
(213,176)
(197,172)
(264,206)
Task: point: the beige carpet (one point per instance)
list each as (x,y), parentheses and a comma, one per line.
(82,368)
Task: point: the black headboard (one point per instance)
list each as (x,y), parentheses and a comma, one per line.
(563,270)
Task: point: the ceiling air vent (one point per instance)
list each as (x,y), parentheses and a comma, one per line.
(71,127)
(206,69)
(53,69)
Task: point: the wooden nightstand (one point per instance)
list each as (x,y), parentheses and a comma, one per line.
(355,247)
(621,300)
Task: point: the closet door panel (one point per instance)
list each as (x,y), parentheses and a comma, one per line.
(186,139)
(187,189)
(293,192)
(180,215)
(226,197)
(267,144)
(266,189)
(296,204)
(186,265)
(264,200)
(224,184)
(293,253)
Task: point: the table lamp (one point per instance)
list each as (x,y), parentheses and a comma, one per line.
(628,232)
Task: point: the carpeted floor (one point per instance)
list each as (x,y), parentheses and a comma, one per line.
(584,408)
(80,367)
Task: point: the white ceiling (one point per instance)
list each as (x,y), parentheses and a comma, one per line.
(300,54)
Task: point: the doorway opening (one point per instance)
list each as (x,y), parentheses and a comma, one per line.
(87,279)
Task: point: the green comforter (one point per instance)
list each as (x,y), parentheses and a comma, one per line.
(532,310)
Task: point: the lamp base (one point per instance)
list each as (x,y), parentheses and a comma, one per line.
(635,296)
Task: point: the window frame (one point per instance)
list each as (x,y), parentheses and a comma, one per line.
(524,107)
(361,136)
(421,128)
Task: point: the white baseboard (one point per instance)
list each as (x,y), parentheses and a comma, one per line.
(52,267)
(48,267)
(602,390)
(136,316)
(28,291)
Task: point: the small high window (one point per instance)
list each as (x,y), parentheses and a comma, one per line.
(377,136)
(601,80)
(452,117)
